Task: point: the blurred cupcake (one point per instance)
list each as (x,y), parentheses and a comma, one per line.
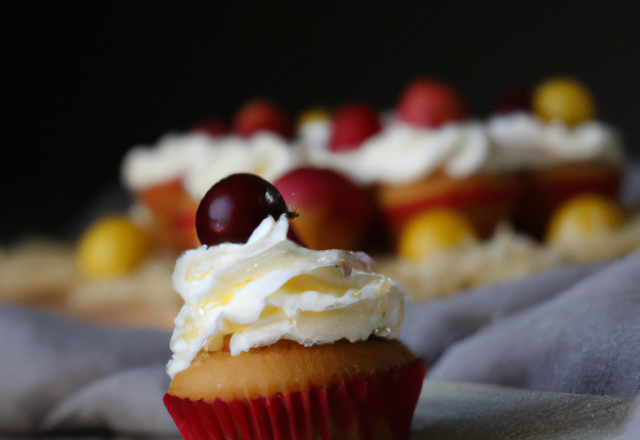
(153,174)
(169,178)
(563,151)
(425,155)
(278,341)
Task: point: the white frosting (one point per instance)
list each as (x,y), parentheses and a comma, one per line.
(170,158)
(314,135)
(264,154)
(522,140)
(402,153)
(270,288)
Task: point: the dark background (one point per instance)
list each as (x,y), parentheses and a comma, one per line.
(84,82)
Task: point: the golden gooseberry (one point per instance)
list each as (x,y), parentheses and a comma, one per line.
(563,98)
(433,231)
(111,247)
(313,114)
(583,216)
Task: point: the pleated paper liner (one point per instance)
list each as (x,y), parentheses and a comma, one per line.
(377,407)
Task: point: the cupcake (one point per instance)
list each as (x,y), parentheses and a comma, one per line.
(562,151)
(425,155)
(169,178)
(279,341)
(153,175)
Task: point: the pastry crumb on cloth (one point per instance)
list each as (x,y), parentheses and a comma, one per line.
(43,274)
(505,256)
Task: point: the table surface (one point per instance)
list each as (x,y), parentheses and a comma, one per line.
(473,411)
(463,411)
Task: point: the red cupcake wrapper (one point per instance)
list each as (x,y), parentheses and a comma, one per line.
(359,408)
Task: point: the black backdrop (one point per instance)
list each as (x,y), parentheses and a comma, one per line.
(84,82)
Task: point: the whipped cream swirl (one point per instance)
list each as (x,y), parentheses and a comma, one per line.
(146,166)
(522,140)
(402,153)
(264,154)
(200,160)
(271,288)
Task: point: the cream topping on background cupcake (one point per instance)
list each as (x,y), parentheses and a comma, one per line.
(402,153)
(202,160)
(271,288)
(170,158)
(264,154)
(525,141)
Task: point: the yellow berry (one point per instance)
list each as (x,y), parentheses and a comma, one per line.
(563,98)
(434,231)
(111,247)
(313,114)
(583,216)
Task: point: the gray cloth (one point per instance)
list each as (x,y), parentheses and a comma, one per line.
(584,340)
(432,326)
(51,365)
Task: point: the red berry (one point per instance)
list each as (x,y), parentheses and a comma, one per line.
(235,206)
(335,213)
(211,126)
(259,115)
(430,103)
(513,100)
(351,125)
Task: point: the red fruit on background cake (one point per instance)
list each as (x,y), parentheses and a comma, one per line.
(211,126)
(430,103)
(261,115)
(334,213)
(351,125)
(512,100)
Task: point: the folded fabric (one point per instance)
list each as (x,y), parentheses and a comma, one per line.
(51,365)
(632,428)
(431,326)
(584,339)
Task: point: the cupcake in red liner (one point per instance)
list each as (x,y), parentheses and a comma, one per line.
(277,341)
(331,391)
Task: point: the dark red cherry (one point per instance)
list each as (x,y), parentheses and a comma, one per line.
(234,207)
(513,100)
(211,126)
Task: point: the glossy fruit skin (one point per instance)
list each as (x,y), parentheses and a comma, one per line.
(430,103)
(334,213)
(112,247)
(235,206)
(515,99)
(563,98)
(351,125)
(582,216)
(211,126)
(434,231)
(261,115)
